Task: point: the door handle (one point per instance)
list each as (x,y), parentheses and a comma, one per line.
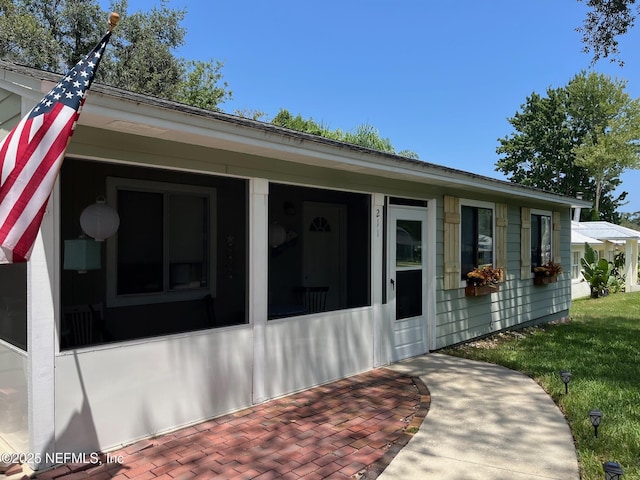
(393,283)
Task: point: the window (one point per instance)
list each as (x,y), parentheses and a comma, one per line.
(476,235)
(163,249)
(541,238)
(575,265)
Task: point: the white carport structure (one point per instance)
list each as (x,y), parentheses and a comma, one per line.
(609,240)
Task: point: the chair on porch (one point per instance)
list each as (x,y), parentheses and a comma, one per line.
(314,299)
(81,323)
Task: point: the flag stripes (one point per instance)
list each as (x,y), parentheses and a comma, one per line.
(31,157)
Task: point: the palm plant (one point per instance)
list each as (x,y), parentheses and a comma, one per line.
(596,272)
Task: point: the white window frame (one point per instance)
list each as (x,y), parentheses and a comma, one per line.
(575,264)
(479,204)
(546,213)
(113,299)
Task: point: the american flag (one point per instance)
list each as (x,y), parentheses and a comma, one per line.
(31,157)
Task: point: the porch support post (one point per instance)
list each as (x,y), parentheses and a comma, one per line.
(42,290)
(380,318)
(631,267)
(259,280)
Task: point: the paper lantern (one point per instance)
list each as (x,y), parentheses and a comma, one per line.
(99,220)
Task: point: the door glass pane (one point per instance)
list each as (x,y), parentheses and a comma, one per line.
(408,294)
(140,245)
(408,243)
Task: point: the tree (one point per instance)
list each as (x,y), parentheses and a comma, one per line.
(605,22)
(631,220)
(606,120)
(25,39)
(285,119)
(54,34)
(578,138)
(364,135)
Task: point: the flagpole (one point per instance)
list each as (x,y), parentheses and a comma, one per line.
(31,155)
(114,18)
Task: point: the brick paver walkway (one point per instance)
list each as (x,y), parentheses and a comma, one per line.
(351,428)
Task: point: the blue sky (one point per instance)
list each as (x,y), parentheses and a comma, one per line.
(439,78)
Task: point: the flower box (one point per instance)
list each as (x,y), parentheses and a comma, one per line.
(544,279)
(479,290)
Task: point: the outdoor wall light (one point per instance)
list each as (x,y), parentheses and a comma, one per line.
(595,416)
(612,470)
(566,378)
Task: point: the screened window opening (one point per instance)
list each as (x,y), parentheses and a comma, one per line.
(319,250)
(476,238)
(178,262)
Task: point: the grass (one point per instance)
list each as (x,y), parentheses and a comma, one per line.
(600,346)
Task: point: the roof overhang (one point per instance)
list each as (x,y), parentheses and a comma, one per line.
(119,110)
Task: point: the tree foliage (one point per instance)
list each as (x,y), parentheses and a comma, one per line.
(606,121)
(605,22)
(578,138)
(631,220)
(364,135)
(54,34)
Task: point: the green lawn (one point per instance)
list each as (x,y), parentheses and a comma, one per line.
(601,349)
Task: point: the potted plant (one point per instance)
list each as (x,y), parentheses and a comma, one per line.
(483,280)
(547,273)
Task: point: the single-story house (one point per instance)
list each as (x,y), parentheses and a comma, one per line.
(250,262)
(607,240)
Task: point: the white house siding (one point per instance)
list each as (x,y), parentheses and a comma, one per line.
(119,393)
(316,349)
(518,302)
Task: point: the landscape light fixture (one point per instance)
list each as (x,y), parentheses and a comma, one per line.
(566,378)
(595,416)
(612,471)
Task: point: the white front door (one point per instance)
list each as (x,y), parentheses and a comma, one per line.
(406,289)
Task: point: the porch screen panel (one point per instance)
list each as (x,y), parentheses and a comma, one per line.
(13,304)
